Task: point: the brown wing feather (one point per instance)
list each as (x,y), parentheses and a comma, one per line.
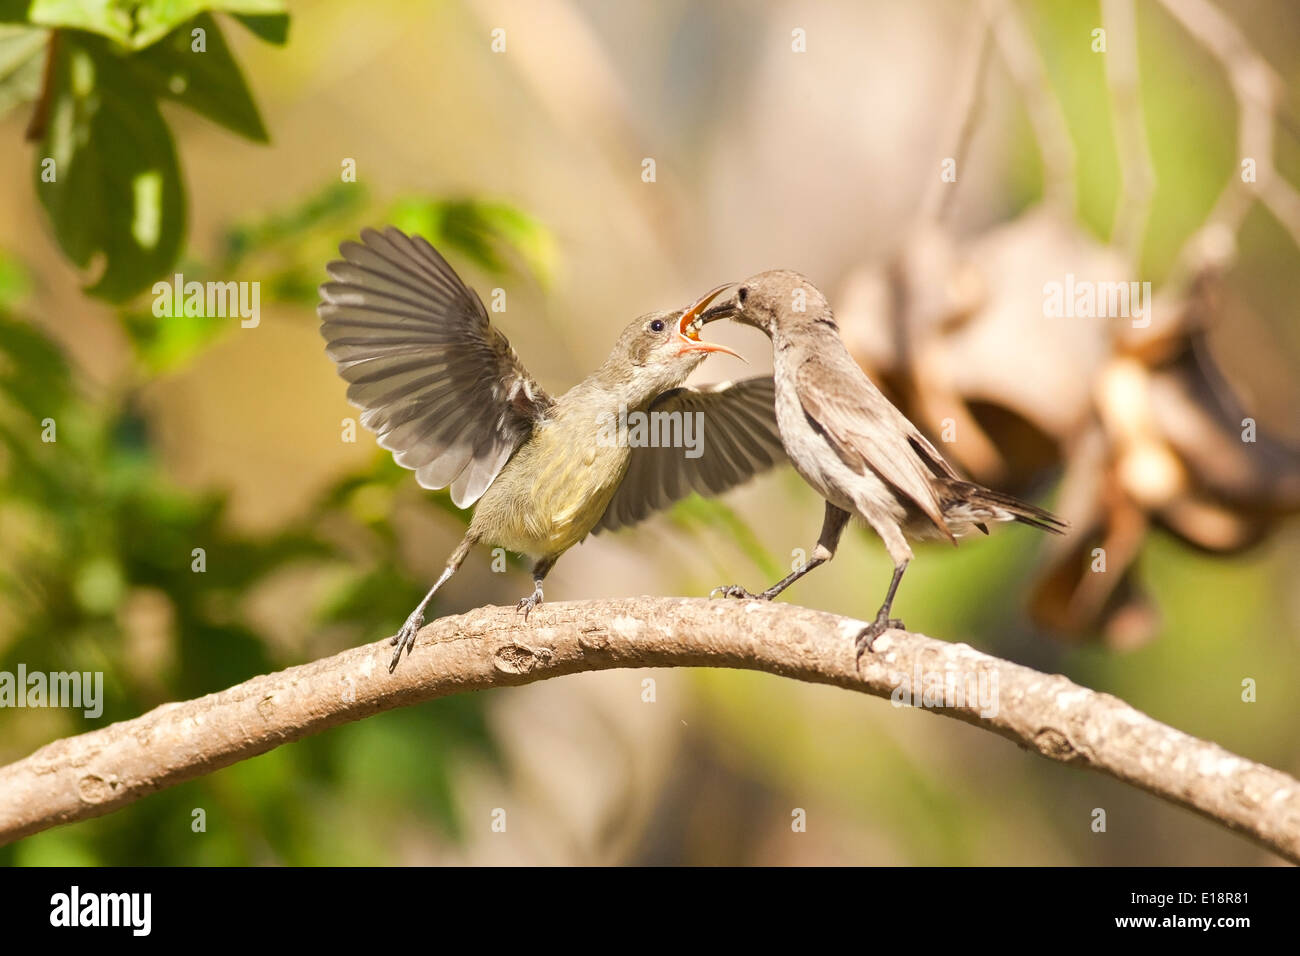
(442,388)
(740,439)
(867,431)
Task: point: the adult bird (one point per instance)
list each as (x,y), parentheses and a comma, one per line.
(853,446)
(449,397)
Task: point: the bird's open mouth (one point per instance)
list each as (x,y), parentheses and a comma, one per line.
(692,328)
(692,320)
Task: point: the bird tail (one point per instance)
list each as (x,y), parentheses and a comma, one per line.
(965,500)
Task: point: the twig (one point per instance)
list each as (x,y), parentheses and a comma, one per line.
(41,113)
(1257,89)
(936,204)
(1136,168)
(1045,114)
(101,771)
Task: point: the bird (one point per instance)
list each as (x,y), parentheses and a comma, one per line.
(853,446)
(449,397)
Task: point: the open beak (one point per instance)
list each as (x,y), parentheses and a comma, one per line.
(692,320)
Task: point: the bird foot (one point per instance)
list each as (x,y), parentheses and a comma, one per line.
(405,637)
(867,636)
(527,604)
(736,591)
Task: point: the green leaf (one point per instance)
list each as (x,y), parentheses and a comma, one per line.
(479,230)
(273,28)
(157,18)
(34,375)
(117,192)
(107,18)
(208,82)
(21,65)
(328,204)
(136,25)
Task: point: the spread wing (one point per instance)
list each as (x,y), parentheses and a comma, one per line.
(441,387)
(867,431)
(737,435)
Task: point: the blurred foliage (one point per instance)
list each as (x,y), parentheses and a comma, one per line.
(695,514)
(106,169)
(1187,104)
(285,252)
(477,230)
(20,64)
(99,571)
(138,24)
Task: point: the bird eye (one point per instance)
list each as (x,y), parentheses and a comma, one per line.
(657,325)
(742,294)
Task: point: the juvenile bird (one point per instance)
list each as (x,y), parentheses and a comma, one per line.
(450,399)
(852,445)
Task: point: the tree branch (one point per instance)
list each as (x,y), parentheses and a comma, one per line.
(98,772)
(1137,170)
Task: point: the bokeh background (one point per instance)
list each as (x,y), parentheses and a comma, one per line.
(526,167)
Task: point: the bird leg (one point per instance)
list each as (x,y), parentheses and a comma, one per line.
(405,636)
(736,591)
(540,570)
(883,622)
(832,527)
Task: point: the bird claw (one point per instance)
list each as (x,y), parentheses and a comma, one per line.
(405,638)
(734,591)
(867,636)
(527,604)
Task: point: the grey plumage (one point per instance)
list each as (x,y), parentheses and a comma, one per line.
(852,445)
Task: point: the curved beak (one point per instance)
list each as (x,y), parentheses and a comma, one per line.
(728,308)
(692,320)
